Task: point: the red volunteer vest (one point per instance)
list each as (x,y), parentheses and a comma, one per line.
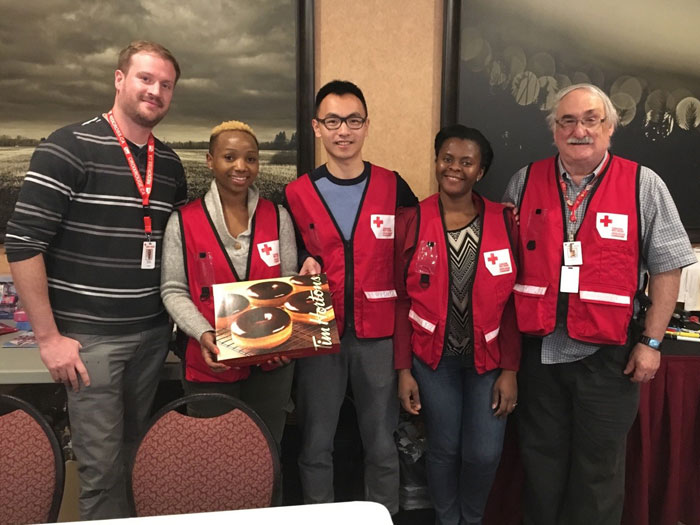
(493,285)
(199,236)
(609,234)
(368,257)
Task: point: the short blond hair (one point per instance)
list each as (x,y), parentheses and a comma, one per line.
(230,125)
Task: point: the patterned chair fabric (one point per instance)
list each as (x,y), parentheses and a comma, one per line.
(31,465)
(185,464)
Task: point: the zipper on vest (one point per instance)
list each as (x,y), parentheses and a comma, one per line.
(205,268)
(449,277)
(349,288)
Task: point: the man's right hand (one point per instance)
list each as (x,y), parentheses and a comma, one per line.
(310,267)
(61,355)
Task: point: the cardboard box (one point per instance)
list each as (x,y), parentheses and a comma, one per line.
(286,316)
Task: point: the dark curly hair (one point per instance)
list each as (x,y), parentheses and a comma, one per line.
(458,131)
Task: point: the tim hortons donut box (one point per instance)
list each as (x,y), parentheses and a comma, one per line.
(286,316)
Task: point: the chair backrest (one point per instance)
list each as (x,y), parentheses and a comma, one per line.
(185,464)
(32,470)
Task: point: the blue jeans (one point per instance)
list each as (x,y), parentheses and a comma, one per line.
(464,438)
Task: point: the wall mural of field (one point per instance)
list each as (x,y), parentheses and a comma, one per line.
(274,172)
(13,167)
(58,65)
(277,168)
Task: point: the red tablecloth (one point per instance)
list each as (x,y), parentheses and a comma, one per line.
(663,454)
(663,449)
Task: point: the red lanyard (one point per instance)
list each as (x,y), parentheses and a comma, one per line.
(144,188)
(573,206)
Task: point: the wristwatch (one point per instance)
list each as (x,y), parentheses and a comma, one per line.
(653,343)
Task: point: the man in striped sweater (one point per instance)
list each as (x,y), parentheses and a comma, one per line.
(84,247)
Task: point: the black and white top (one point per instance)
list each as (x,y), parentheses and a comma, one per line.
(79,206)
(463,249)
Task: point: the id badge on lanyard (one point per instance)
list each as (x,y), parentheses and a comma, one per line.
(148,252)
(573,259)
(573,251)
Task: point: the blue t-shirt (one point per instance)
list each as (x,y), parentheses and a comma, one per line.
(343,197)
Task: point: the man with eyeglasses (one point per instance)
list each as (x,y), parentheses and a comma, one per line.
(592,225)
(344,214)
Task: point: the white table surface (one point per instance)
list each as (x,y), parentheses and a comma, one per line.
(345,513)
(19,366)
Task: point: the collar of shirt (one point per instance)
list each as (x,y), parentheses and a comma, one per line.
(587,178)
(214,202)
(322,171)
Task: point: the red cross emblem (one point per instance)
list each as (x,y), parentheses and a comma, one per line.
(492,258)
(378,222)
(606,221)
(266,249)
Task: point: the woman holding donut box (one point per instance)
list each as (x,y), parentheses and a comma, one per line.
(231,234)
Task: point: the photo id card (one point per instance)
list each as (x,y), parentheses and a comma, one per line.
(573,256)
(148,255)
(569,279)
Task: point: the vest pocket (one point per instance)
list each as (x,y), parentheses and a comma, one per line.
(377,319)
(601,314)
(531,307)
(613,266)
(422,322)
(490,358)
(536,224)
(424,333)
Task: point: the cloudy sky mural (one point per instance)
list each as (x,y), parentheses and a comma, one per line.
(57,61)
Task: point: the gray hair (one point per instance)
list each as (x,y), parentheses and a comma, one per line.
(610,113)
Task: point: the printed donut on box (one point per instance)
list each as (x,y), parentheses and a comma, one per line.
(285,316)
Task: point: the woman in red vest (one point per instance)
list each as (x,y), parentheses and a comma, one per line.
(231,234)
(457,347)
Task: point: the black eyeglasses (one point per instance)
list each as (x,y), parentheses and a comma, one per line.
(333,123)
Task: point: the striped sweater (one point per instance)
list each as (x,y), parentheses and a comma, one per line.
(80,208)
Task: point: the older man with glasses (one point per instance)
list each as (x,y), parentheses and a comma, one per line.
(344,213)
(592,227)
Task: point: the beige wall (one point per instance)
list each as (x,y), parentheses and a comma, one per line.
(392,49)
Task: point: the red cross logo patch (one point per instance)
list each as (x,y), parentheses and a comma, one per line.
(270,252)
(611,225)
(382,226)
(498,262)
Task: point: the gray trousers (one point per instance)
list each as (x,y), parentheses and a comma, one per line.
(321,386)
(107,417)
